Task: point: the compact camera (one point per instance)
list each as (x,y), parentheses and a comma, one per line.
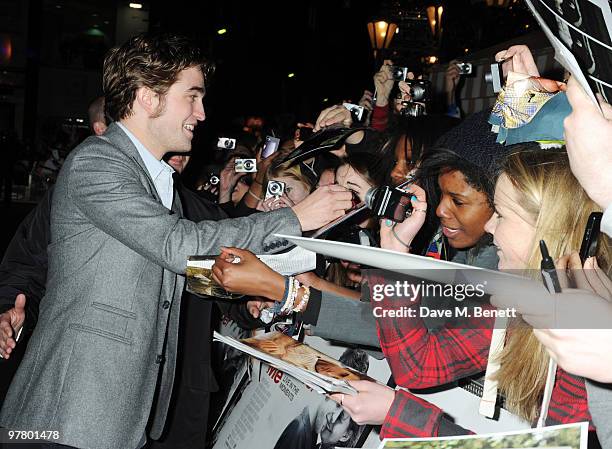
(420,90)
(465,68)
(271,145)
(226,143)
(214,179)
(399,73)
(275,188)
(389,202)
(356,110)
(245,165)
(496,76)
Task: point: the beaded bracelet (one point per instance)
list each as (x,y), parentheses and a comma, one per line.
(291,297)
(304,300)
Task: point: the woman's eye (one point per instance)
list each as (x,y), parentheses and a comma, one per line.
(457,202)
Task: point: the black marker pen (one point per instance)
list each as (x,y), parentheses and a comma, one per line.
(547,267)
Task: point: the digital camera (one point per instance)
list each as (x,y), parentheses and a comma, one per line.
(389,202)
(356,110)
(226,143)
(420,90)
(465,68)
(399,73)
(245,165)
(271,145)
(275,188)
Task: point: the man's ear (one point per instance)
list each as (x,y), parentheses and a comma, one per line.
(99,128)
(147,100)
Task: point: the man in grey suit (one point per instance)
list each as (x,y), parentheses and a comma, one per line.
(106,335)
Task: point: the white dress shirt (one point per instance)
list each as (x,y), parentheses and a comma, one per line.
(160,171)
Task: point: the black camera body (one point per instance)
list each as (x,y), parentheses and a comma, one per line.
(389,202)
(399,73)
(465,68)
(420,90)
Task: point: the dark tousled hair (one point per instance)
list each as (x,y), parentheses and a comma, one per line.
(149,60)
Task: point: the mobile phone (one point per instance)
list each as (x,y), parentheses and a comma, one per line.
(271,145)
(589,239)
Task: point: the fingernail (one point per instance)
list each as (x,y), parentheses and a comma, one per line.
(413,198)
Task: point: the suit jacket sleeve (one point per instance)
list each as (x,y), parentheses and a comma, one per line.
(107,188)
(24,266)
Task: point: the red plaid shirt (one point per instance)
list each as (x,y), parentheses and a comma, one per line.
(422,358)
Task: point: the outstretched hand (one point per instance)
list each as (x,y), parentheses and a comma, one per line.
(240,271)
(11,323)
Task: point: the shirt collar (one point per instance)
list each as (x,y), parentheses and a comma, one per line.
(154,167)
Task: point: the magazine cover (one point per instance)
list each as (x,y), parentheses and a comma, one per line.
(568,436)
(275,410)
(317,370)
(581,33)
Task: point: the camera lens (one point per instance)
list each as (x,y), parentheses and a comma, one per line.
(274,188)
(248,165)
(369,197)
(417,92)
(227,143)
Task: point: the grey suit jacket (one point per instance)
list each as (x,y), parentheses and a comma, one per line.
(108,322)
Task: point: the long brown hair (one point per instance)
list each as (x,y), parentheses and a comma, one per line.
(559,209)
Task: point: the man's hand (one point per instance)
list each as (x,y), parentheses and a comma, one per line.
(323,206)
(383,81)
(11,322)
(588,136)
(240,271)
(333,115)
(370,405)
(518,58)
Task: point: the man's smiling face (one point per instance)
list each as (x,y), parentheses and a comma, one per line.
(173,129)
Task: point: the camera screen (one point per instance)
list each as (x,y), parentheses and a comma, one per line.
(271,145)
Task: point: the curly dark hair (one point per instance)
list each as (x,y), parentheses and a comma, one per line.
(150,60)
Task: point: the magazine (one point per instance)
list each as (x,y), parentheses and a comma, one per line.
(581,34)
(311,367)
(567,436)
(275,410)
